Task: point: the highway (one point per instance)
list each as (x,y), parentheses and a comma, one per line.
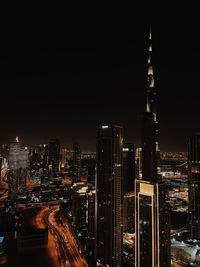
(63,248)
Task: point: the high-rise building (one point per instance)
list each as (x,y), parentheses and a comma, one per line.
(108,196)
(76,161)
(54,155)
(128,177)
(17,165)
(194,185)
(152,224)
(79,211)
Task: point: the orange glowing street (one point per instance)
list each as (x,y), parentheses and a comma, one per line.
(62,245)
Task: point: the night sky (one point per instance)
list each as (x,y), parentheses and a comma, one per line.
(63,79)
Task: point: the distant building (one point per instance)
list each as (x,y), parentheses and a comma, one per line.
(194,185)
(108,196)
(76,161)
(43,153)
(17,165)
(54,155)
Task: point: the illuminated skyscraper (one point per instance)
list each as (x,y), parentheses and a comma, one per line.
(108,196)
(194,186)
(79,213)
(152,224)
(17,165)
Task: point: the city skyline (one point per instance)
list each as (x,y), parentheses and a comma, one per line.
(93,163)
(102,80)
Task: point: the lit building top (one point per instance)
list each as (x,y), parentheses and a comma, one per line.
(151,93)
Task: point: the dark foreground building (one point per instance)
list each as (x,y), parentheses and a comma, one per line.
(108,196)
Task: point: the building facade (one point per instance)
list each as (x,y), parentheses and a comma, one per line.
(17,166)
(108,196)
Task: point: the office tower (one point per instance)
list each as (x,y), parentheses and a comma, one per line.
(79,215)
(108,196)
(54,156)
(152,224)
(76,161)
(17,165)
(194,185)
(79,211)
(128,177)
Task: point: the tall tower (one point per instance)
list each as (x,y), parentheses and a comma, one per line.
(108,196)
(152,225)
(194,185)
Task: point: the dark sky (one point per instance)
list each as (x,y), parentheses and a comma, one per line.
(62,79)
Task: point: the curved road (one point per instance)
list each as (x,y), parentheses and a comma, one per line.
(67,254)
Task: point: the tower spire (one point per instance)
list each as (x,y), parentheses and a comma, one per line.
(152,215)
(151,94)
(150,146)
